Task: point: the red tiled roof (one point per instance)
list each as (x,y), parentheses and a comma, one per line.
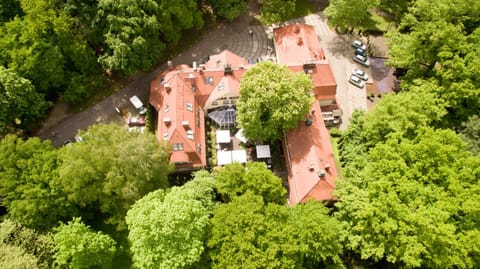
(297,44)
(325,86)
(308,152)
(308,147)
(179,97)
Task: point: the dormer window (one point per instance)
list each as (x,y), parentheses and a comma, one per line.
(189,106)
(177,146)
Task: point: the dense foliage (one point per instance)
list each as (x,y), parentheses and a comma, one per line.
(169,230)
(21,105)
(66,47)
(272,100)
(80,247)
(249,232)
(234,180)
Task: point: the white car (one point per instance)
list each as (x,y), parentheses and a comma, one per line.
(359,73)
(356,81)
(361,60)
(138,105)
(359,45)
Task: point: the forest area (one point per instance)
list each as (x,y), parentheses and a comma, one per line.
(409,196)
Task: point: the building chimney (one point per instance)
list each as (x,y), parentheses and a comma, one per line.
(170,65)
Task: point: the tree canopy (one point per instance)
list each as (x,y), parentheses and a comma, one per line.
(30,184)
(169,230)
(413,202)
(272,101)
(235,179)
(255,235)
(80,247)
(22,105)
(111,169)
(273,11)
(228,9)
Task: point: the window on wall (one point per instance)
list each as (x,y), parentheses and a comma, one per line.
(199,148)
(165,136)
(209,80)
(166,108)
(177,146)
(189,106)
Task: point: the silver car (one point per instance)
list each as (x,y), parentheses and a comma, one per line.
(356,81)
(359,73)
(361,60)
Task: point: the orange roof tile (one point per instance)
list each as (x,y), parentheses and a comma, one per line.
(297,44)
(309,152)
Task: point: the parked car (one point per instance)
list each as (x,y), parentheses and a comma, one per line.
(359,73)
(359,45)
(138,105)
(360,51)
(356,81)
(361,60)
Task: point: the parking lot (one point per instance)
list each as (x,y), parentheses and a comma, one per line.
(339,51)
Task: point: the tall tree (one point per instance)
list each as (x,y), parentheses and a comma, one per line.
(399,115)
(470,133)
(28,244)
(29,183)
(414,202)
(13,257)
(135,32)
(9,9)
(436,41)
(169,230)
(273,98)
(235,179)
(80,247)
(21,105)
(228,9)
(111,169)
(249,233)
(43,46)
(273,11)
(350,14)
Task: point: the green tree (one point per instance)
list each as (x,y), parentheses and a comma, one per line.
(169,230)
(413,202)
(29,244)
(111,169)
(273,98)
(13,257)
(21,105)
(234,180)
(436,42)
(228,9)
(349,14)
(9,9)
(29,183)
(43,46)
(399,115)
(79,247)
(470,133)
(135,32)
(249,233)
(273,11)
